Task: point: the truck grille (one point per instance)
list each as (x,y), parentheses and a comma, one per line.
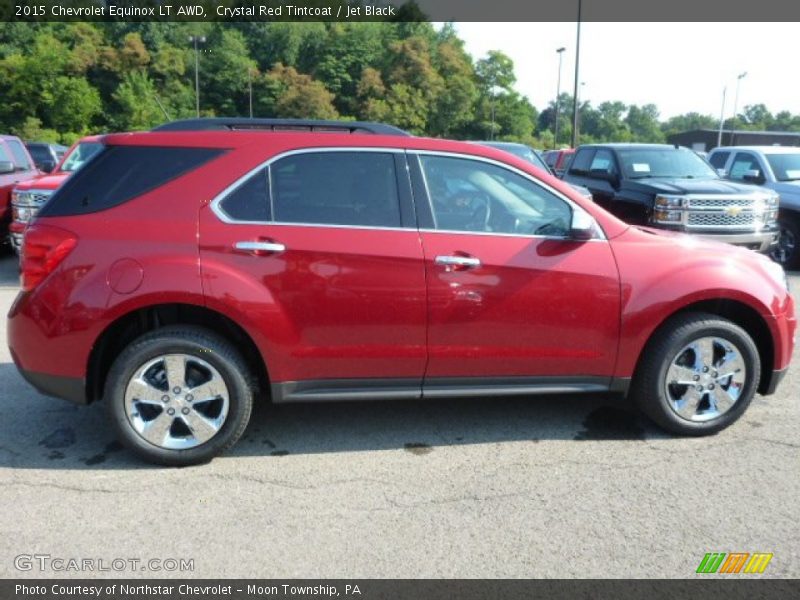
(700,202)
(720,219)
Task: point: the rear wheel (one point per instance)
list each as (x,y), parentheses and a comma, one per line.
(179,396)
(698,375)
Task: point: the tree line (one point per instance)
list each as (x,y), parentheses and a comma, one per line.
(60,81)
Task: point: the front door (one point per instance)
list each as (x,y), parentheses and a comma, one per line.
(510,297)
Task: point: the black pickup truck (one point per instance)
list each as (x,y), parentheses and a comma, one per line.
(671,187)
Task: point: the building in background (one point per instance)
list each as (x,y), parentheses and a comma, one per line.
(703,140)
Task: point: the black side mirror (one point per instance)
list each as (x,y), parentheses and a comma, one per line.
(753,176)
(6,167)
(47,166)
(604,175)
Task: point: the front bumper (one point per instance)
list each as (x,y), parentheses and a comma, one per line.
(760,241)
(774,379)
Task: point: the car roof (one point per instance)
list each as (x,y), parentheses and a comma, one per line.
(623,145)
(762,149)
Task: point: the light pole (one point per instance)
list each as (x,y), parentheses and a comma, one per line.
(736,106)
(202,40)
(577,71)
(560,52)
(250,88)
(721,117)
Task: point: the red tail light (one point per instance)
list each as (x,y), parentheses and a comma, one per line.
(43,249)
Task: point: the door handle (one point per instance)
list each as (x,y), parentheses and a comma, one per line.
(260,247)
(458,262)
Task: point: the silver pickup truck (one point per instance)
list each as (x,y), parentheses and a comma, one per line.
(776,168)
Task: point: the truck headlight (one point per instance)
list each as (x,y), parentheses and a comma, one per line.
(667,216)
(773,200)
(670,201)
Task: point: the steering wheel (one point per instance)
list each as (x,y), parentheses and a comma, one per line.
(481,207)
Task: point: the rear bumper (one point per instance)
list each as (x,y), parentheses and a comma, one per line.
(67,388)
(760,242)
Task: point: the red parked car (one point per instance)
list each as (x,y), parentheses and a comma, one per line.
(29,196)
(16,166)
(184,272)
(558,160)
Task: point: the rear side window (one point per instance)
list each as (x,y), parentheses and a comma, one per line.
(249,201)
(336,188)
(718,159)
(21,159)
(117,174)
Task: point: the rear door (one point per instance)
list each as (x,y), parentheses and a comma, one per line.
(511,300)
(319,251)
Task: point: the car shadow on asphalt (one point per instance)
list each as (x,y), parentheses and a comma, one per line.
(37,432)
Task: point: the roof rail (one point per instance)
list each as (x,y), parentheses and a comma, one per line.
(240,123)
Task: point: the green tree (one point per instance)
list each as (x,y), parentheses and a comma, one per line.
(642,121)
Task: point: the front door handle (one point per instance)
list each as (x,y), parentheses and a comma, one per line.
(260,248)
(458,262)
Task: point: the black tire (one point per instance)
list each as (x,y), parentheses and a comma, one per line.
(196,343)
(787,251)
(649,390)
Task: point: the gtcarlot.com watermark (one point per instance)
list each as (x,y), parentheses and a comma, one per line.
(62,564)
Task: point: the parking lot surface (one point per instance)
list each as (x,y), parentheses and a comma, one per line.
(576,486)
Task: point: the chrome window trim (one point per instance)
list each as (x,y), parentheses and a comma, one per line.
(222,216)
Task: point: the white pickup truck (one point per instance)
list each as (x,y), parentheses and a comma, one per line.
(776,168)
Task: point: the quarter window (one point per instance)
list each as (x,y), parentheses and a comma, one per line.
(471,195)
(249,201)
(336,188)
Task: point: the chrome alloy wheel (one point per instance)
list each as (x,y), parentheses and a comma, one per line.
(705,379)
(176,401)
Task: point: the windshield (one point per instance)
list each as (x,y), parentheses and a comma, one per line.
(785,166)
(673,163)
(79,155)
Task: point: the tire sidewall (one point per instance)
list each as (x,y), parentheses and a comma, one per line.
(135,356)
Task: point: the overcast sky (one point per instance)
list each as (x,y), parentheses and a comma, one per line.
(679,67)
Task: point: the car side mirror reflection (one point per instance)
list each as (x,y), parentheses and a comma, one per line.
(583,226)
(6,167)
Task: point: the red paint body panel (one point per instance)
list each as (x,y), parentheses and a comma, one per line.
(534,307)
(338,303)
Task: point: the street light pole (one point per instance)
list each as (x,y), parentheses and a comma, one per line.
(721,117)
(560,52)
(250,88)
(736,106)
(577,72)
(202,40)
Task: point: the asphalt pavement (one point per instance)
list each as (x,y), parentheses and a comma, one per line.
(576,486)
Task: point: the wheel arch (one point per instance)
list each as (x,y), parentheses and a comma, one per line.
(741,314)
(127,327)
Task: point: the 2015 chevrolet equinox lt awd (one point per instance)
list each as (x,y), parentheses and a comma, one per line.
(184,272)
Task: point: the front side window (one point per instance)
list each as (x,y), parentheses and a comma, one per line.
(742,163)
(336,188)
(470,195)
(582,161)
(602,163)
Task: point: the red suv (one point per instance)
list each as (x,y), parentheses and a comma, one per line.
(184,272)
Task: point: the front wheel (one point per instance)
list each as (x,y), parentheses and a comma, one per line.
(179,396)
(787,251)
(698,375)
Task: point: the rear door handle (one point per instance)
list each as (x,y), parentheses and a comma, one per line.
(455,261)
(260,247)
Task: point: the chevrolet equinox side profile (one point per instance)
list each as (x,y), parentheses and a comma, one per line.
(184,272)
